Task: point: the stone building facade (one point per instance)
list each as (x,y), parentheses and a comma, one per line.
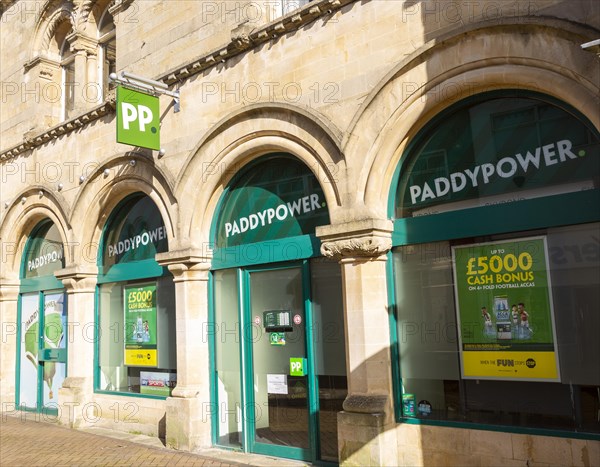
(299,262)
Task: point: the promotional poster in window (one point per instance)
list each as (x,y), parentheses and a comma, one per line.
(140,326)
(505,313)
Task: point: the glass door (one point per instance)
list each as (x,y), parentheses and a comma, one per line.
(43,352)
(27,379)
(53,348)
(280,393)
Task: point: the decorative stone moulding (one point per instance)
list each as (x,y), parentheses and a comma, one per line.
(368,238)
(368,246)
(248,38)
(238,44)
(31,141)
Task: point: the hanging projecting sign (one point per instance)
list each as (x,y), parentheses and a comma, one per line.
(140,326)
(505,311)
(138,119)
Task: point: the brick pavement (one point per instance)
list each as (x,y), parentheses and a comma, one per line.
(31,443)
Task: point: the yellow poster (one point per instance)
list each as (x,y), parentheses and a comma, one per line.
(504,307)
(141,357)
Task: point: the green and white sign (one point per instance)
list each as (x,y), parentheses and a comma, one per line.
(138,119)
(297,366)
(136,233)
(279,198)
(44,254)
(496,149)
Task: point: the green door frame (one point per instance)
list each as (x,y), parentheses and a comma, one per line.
(247,387)
(44,355)
(41,285)
(272,252)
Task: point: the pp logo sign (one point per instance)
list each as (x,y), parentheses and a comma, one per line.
(297,366)
(138,119)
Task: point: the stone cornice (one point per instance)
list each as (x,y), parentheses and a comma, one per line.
(79,42)
(247,38)
(369,238)
(186,265)
(78,279)
(40,60)
(32,141)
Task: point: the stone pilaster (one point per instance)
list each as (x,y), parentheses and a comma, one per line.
(86,51)
(9,293)
(368,417)
(190,401)
(78,387)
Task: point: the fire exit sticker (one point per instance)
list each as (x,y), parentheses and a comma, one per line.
(297,366)
(138,119)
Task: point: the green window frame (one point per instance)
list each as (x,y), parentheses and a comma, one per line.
(566,209)
(133,272)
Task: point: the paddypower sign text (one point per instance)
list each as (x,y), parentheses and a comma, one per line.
(138,119)
(142,239)
(302,205)
(483,174)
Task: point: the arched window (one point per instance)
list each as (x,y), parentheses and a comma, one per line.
(496,266)
(67,67)
(136,351)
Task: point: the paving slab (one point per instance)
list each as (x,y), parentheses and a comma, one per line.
(29,442)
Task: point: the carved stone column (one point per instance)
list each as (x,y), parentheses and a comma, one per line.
(186,420)
(86,51)
(9,293)
(365,432)
(78,387)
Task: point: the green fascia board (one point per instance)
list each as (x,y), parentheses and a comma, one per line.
(36,284)
(551,211)
(270,251)
(135,270)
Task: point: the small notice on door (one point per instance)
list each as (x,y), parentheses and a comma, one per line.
(277,384)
